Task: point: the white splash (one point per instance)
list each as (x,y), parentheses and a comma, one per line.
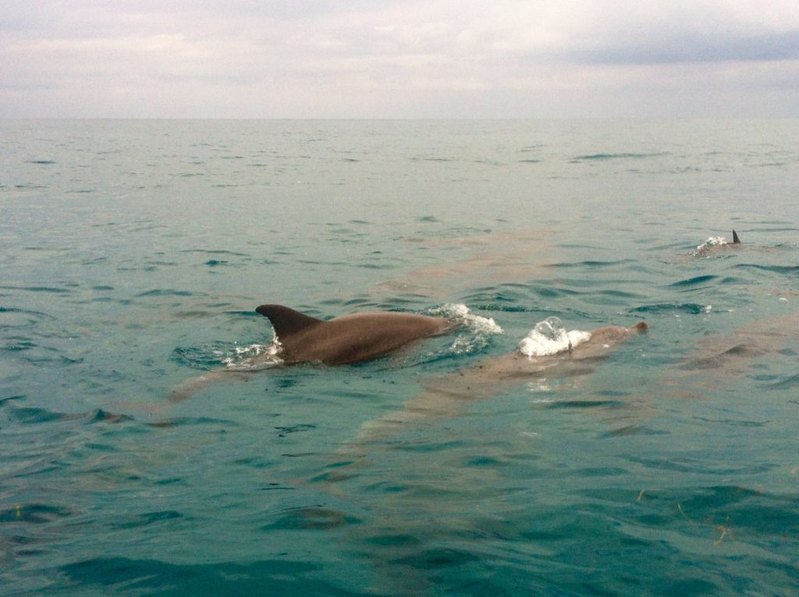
(711,243)
(478,328)
(254,356)
(549,337)
(462,314)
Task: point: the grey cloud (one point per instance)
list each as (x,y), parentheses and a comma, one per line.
(694,48)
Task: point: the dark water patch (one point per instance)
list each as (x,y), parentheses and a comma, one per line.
(9,400)
(740,507)
(438,558)
(393,540)
(657,308)
(135,576)
(312,518)
(165,292)
(215,252)
(24,311)
(788,383)
(631,430)
(149,518)
(42,162)
(33,513)
(786,270)
(688,465)
(601,157)
(195,314)
(530,161)
(590,264)
(33,415)
(18,344)
(735,422)
(696,281)
(215,425)
(430,159)
(582,404)
(616,294)
(552,292)
(45,289)
(285,430)
(103,416)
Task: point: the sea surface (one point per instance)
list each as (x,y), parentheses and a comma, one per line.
(133,255)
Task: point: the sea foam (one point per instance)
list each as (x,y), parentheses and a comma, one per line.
(549,337)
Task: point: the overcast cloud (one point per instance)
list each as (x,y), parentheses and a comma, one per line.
(399,59)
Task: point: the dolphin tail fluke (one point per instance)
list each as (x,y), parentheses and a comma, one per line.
(735,239)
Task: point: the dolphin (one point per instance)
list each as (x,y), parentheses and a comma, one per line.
(345,340)
(349,339)
(448,396)
(714,244)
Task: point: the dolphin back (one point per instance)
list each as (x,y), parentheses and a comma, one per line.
(286,321)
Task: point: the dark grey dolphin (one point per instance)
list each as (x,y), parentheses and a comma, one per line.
(342,341)
(348,339)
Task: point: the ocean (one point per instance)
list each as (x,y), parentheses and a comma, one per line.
(135,252)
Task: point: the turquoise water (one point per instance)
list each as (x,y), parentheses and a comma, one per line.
(133,256)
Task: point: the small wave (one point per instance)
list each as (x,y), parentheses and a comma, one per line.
(32,415)
(691,308)
(164,292)
(694,281)
(38,289)
(549,337)
(34,513)
(785,384)
(777,269)
(617,156)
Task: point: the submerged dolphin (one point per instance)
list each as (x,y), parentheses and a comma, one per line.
(448,396)
(348,339)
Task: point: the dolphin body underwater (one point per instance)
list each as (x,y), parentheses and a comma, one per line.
(447,396)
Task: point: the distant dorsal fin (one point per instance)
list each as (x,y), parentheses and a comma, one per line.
(286,321)
(735,239)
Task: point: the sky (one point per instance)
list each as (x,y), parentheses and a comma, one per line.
(399,59)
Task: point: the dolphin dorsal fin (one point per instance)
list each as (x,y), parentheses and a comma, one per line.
(735,239)
(286,321)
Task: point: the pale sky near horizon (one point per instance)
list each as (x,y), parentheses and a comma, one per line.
(399,59)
